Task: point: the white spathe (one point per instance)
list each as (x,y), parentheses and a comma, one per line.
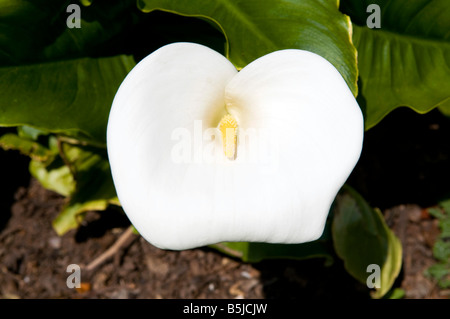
(299,136)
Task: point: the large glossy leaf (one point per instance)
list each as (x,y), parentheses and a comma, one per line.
(49,77)
(254,28)
(407,61)
(35,31)
(20,38)
(362,238)
(72,96)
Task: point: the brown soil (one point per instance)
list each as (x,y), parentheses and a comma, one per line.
(34,259)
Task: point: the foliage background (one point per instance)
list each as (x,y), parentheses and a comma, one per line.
(57,85)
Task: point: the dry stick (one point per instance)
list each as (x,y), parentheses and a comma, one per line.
(111,251)
(72,141)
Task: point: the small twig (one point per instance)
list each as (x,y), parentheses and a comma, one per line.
(74,141)
(111,251)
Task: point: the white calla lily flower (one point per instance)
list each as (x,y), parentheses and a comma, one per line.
(201,153)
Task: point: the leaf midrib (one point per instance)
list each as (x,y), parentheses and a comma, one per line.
(245,20)
(389,35)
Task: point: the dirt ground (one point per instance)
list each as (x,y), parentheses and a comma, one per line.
(34,259)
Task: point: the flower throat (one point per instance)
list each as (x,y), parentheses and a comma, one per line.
(228,129)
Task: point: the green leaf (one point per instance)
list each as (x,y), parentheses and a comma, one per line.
(396,293)
(73,97)
(35,31)
(253,28)
(86,3)
(445,109)
(442,213)
(27,147)
(72,214)
(445,228)
(445,206)
(361,238)
(407,61)
(255,252)
(48,74)
(94,186)
(436,212)
(29,132)
(441,251)
(20,38)
(45,164)
(57,178)
(440,272)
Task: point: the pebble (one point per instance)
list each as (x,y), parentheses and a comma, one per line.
(55,242)
(246,274)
